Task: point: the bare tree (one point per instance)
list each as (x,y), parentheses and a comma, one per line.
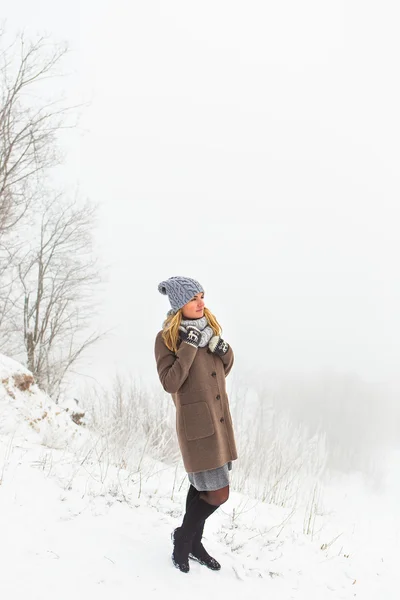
(57,276)
(47,271)
(28,127)
(28,123)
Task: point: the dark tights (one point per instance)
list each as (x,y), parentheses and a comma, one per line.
(216,498)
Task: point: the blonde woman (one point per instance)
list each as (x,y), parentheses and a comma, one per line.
(192,362)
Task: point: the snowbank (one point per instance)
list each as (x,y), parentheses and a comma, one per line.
(27,412)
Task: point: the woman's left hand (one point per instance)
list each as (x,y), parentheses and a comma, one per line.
(218,346)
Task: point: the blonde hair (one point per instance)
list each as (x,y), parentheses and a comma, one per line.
(170,333)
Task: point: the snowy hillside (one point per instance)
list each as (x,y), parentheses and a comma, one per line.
(76,525)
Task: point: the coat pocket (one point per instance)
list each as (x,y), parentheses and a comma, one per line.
(197,420)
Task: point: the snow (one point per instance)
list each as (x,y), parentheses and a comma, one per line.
(74,525)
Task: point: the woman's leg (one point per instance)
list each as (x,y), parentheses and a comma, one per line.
(215,498)
(197,512)
(187,538)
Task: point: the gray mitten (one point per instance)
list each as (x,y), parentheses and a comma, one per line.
(218,346)
(191,335)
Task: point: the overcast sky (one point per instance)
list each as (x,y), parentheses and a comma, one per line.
(253,146)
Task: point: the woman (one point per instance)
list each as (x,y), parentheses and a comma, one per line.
(192,362)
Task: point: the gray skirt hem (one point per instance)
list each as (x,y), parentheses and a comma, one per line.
(212,480)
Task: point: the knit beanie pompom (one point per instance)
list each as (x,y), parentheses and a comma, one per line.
(162,288)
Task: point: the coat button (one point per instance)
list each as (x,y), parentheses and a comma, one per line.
(222,419)
(213,374)
(218,397)
(208,351)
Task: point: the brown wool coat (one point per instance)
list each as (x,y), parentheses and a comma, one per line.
(196,380)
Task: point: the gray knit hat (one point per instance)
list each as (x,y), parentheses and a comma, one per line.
(180,290)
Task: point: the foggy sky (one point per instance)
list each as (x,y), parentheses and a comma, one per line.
(252,146)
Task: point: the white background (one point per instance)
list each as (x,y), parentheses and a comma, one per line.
(252,146)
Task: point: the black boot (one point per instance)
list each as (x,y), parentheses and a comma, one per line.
(199,553)
(182,537)
(192,493)
(182,545)
(182,549)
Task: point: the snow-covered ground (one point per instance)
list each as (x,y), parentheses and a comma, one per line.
(75,525)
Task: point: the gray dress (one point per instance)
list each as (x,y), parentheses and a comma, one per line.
(214,479)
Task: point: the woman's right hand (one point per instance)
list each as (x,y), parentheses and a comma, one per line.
(218,346)
(191,335)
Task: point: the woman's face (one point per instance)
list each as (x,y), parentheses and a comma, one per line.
(195,308)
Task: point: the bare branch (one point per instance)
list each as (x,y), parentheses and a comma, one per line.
(28,123)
